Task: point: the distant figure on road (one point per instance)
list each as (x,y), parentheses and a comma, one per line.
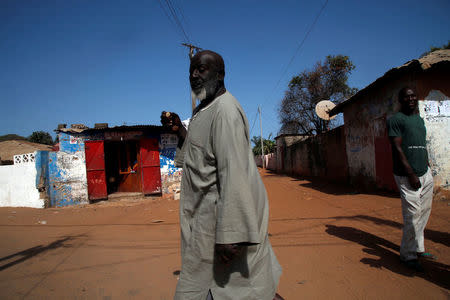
(406,130)
(224,211)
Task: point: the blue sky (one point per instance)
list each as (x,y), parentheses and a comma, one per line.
(121,62)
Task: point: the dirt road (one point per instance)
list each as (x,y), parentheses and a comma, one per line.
(331,243)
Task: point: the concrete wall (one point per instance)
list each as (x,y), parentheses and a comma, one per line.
(321,156)
(282,142)
(270,161)
(42,175)
(435,110)
(363,121)
(67,172)
(367,146)
(170,175)
(18,186)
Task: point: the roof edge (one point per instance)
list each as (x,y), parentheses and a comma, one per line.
(431,60)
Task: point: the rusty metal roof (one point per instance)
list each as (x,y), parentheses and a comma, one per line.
(82,129)
(430,60)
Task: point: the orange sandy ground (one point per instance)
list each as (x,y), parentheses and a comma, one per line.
(331,243)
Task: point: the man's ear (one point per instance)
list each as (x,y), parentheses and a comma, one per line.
(221,75)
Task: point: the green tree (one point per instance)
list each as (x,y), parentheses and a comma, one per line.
(269,145)
(326,81)
(41,137)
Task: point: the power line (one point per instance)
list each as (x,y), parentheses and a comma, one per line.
(297,50)
(250,133)
(174,19)
(167,15)
(185,21)
(301,44)
(177,20)
(270,127)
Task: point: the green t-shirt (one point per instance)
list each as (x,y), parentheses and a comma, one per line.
(413,133)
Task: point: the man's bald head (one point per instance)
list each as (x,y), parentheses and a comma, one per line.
(216,60)
(206,75)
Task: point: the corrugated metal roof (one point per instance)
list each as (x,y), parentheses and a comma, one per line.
(423,63)
(80,129)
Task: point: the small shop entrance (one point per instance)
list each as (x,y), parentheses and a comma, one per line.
(123,171)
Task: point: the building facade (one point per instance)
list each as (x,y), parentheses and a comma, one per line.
(365,115)
(94,163)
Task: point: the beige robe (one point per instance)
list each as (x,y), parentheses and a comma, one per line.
(223,200)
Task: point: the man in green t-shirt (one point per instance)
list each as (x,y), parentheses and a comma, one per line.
(407,133)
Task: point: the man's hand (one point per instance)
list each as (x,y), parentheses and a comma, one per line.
(397,149)
(414,181)
(171,119)
(227,252)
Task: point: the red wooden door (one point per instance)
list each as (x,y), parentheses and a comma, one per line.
(383,164)
(95,169)
(151,174)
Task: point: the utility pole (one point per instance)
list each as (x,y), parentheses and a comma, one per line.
(191,49)
(191,55)
(262,144)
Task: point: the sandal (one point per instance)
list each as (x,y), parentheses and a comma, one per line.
(426,255)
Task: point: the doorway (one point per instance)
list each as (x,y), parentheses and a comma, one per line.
(123,171)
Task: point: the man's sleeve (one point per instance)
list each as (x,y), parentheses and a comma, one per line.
(237,219)
(179,154)
(394,127)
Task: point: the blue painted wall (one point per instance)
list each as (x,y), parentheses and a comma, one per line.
(42,173)
(67,172)
(71,143)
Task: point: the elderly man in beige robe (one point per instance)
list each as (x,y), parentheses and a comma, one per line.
(224,212)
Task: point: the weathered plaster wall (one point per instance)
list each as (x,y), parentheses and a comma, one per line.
(334,146)
(368,150)
(18,186)
(67,172)
(321,156)
(269,161)
(279,156)
(301,158)
(364,121)
(170,175)
(42,175)
(435,110)
(282,156)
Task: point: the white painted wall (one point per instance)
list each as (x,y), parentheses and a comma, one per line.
(18,186)
(435,110)
(270,161)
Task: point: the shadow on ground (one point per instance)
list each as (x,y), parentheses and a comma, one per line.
(432,235)
(31,252)
(329,187)
(388,257)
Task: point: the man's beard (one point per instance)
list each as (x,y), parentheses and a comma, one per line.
(208,89)
(199,96)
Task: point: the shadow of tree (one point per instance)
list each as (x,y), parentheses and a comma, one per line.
(31,252)
(436,273)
